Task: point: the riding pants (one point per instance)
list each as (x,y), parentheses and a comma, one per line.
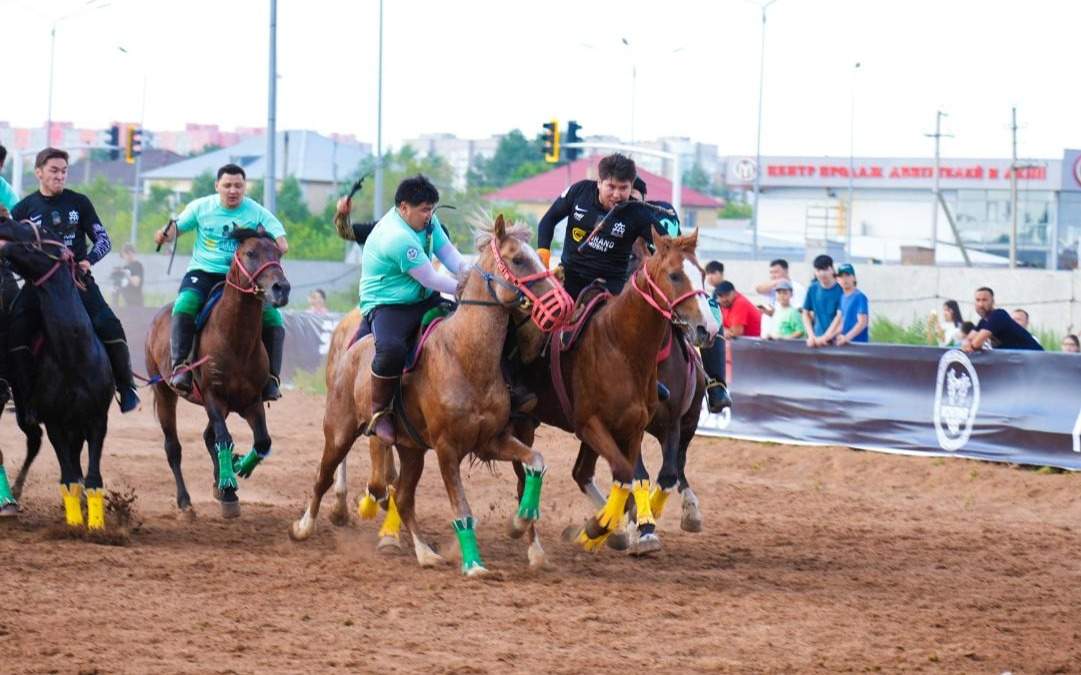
(196,288)
(395,328)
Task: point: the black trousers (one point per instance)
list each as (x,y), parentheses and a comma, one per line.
(395,328)
(26,316)
(573,283)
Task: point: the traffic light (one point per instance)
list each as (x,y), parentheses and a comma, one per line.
(572,137)
(133,144)
(551,142)
(114,142)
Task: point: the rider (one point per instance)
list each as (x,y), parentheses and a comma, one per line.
(71,217)
(8,286)
(213,218)
(399,285)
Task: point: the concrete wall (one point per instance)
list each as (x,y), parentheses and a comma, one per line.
(1053,299)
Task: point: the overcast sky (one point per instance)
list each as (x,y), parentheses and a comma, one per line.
(477,68)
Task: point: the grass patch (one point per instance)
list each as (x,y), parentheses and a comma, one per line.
(311,381)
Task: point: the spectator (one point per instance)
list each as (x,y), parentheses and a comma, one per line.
(1021,317)
(317,302)
(8,198)
(741,318)
(1071,345)
(786,318)
(128,279)
(850,324)
(967,327)
(822,303)
(778,272)
(997,327)
(946,332)
(714,275)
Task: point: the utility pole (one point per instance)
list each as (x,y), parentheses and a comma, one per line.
(936,198)
(135,191)
(377,201)
(269,179)
(851,160)
(758,141)
(1013,188)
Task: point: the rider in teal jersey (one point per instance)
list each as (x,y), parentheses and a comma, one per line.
(214,218)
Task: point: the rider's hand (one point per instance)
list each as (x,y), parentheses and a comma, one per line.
(545,256)
(84,265)
(344,204)
(159,237)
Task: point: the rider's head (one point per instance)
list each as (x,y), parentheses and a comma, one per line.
(615,178)
(3,156)
(51,168)
(231,184)
(416,198)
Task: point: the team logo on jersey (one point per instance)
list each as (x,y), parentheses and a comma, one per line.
(619,229)
(578,234)
(412,253)
(73,217)
(957,399)
(579,212)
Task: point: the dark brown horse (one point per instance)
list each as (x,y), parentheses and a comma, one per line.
(232,367)
(611,376)
(454,399)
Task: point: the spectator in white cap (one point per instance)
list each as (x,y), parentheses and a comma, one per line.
(787,322)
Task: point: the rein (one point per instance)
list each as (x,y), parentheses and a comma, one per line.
(253,288)
(668,312)
(65,257)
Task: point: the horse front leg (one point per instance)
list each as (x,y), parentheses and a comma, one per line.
(68,447)
(464,524)
(255,416)
(95,486)
(221,453)
(601,526)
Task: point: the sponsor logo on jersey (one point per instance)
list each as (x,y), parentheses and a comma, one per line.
(619,229)
(578,234)
(73,217)
(411,253)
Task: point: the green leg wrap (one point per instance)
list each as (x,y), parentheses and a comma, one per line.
(188,302)
(226,472)
(467,541)
(529,506)
(5,490)
(272,317)
(243,466)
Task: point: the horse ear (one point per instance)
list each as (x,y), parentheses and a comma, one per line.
(689,242)
(260,229)
(641,251)
(500,228)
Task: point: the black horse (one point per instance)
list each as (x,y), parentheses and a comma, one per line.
(9,506)
(74,385)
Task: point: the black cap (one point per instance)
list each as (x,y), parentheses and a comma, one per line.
(724,287)
(640,185)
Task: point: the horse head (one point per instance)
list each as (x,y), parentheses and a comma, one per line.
(671,281)
(257,267)
(520,277)
(33,256)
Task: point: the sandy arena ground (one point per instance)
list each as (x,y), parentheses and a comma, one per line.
(812,560)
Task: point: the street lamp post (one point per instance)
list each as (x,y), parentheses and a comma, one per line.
(851,160)
(758,141)
(269,174)
(377,201)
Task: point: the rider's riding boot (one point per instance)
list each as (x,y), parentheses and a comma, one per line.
(180,342)
(120,360)
(274,341)
(713,362)
(717,398)
(382,424)
(21,362)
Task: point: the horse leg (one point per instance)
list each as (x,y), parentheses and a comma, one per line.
(691,519)
(33,446)
(525,432)
(255,416)
(222,456)
(649,500)
(506,447)
(584,472)
(339,515)
(600,526)
(464,524)
(71,478)
(165,408)
(412,468)
(95,487)
(338,437)
(9,508)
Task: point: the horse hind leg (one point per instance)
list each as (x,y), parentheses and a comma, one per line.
(165,401)
(33,446)
(338,439)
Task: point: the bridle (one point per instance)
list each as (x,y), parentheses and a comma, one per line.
(253,288)
(548,311)
(668,311)
(64,258)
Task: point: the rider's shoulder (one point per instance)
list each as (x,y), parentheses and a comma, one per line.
(573,190)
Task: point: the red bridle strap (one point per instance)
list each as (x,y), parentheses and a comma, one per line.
(551,310)
(669,311)
(252,287)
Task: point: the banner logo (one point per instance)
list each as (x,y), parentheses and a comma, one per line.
(745,170)
(957,398)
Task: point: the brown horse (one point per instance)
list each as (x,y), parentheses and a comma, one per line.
(611,376)
(232,367)
(454,399)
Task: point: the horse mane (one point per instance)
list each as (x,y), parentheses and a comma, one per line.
(483,224)
(243,234)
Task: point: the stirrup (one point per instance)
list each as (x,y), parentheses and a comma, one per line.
(370,430)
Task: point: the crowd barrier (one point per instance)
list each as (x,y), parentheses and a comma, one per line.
(1008,406)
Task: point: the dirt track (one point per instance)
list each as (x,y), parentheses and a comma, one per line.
(812,560)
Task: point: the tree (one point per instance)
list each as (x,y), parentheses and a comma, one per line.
(515,158)
(290,202)
(202,185)
(696,178)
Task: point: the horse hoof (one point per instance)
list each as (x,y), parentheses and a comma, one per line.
(9,511)
(476,571)
(536,556)
(389,545)
(339,517)
(298,533)
(517,527)
(187,514)
(691,521)
(647,543)
(230,510)
(619,541)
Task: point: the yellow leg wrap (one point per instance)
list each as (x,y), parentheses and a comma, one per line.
(368,507)
(642,504)
(392,524)
(608,518)
(95,509)
(657,499)
(73,508)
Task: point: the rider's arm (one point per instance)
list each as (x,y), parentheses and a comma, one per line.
(91,225)
(429,277)
(561,208)
(444,248)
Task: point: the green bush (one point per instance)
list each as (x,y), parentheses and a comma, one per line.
(885,331)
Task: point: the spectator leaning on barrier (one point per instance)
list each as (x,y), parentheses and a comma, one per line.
(997,327)
(787,322)
(741,318)
(822,303)
(1071,345)
(1021,317)
(850,324)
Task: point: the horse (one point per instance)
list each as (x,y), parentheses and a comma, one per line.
(611,413)
(230,367)
(74,386)
(454,398)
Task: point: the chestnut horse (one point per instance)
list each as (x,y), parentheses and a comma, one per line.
(454,399)
(611,377)
(232,367)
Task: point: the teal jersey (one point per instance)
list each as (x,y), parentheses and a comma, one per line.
(213,224)
(8,198)
(392,250)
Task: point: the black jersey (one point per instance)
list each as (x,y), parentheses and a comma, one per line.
(72,218)
(607,254)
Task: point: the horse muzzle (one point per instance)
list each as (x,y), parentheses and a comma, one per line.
(553,309)
(278,293)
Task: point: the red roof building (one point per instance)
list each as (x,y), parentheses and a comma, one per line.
(534,195)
